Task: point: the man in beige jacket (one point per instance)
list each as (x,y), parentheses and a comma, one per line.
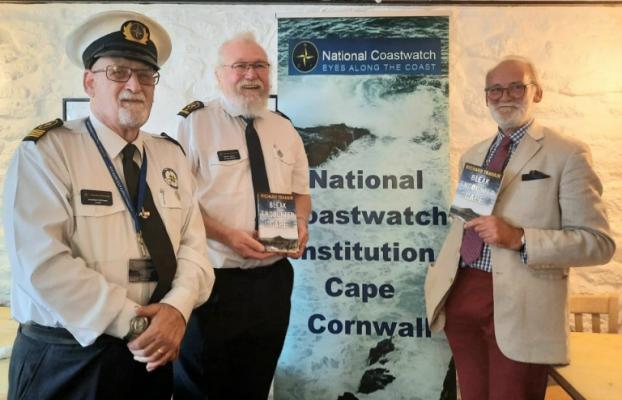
(500,282)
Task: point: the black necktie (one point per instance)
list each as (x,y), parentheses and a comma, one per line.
(153,230)
(258,165)
(472,244)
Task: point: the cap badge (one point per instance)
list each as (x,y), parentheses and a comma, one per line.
(135,31)
(170,177)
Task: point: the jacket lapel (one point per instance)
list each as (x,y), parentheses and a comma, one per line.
(477,155)
(527,148)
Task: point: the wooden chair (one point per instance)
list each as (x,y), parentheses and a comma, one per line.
(596,305)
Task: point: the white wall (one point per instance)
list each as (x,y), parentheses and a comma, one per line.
(577,48)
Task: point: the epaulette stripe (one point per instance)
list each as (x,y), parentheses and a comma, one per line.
(170,139)
(195,105)
(42,129)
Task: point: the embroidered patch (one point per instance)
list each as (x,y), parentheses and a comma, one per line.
(170,177)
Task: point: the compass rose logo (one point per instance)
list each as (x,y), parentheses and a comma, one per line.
(305,56)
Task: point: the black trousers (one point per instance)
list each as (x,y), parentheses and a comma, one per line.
(233,342)
(46,369)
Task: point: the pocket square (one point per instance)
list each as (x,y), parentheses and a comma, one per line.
(533,175)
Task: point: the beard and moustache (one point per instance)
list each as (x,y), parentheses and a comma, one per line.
(134,114)
(247,104)
(519,115)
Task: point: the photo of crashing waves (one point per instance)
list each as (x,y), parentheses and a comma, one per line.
(357,327)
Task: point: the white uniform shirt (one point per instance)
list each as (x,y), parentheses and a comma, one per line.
(70,260)
(225,186)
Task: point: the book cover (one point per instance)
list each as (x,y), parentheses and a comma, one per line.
(476,193)
(277,228)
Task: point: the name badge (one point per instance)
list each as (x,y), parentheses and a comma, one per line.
(96,197)
(228,155)
(142,270)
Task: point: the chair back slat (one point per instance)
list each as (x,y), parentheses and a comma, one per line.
(597,306)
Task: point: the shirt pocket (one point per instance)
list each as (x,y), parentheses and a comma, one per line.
(170,208)
(282,175)
(101,234)
(98,210)
(226,176)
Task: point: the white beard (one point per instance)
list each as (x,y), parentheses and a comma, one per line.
(517,118)
(134,116)
(132,119)
(240,105)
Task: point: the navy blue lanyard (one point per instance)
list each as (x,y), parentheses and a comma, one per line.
(142,179)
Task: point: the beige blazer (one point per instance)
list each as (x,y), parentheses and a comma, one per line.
(565,225)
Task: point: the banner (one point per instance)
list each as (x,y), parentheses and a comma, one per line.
(369,96)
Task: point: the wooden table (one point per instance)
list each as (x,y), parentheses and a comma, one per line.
(595,370)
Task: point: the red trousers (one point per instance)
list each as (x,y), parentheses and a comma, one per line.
(484,373)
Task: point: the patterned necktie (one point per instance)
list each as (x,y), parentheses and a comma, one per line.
(153,230)
(258,165)
(472,244)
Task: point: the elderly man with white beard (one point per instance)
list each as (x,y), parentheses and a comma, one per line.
(103,231)
(499,285)
(237,148)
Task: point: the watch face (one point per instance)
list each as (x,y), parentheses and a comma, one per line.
(139,324)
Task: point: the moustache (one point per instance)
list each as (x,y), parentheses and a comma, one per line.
(128,96)
(250,84)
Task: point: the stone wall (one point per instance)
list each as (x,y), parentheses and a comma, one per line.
(577,48)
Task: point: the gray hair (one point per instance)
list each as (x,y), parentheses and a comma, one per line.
(248,37)
(531,68)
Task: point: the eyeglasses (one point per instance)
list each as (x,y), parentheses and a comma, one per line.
(119,73)
(515,91)
(241,67)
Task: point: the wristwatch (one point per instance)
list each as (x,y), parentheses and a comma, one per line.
(137,326)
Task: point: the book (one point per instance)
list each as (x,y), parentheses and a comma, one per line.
(476,193)
(277,227)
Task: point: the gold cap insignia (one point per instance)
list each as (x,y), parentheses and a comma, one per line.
(135,31)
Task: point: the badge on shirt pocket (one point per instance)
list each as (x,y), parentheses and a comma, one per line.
(96,197)
(142,270)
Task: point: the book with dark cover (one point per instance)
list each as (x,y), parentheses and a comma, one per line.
(278,230)
(476,193)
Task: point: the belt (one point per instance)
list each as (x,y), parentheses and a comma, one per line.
(47,334)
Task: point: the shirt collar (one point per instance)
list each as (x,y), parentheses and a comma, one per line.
(517,135)
(112,142)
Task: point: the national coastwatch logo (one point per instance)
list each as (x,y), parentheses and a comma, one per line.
(305,56)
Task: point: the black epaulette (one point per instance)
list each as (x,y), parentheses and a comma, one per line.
(170,139)
(42,129)
(277,112)
(195,105)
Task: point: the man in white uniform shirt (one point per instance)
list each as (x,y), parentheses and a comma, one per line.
(233,341)
(103,232)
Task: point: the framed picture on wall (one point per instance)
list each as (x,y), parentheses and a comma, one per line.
(75,107)
(273,102)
